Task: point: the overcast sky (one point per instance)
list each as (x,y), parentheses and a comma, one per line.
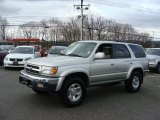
(142,14)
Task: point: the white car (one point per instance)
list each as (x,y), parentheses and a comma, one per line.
(20,55)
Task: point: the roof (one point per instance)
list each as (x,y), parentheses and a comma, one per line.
(25,46)
(100,41)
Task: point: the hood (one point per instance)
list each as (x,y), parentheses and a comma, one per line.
(152,56)
(18,55)
(59,61)
(53,55)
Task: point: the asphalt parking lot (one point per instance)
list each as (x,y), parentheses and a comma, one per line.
(17,102)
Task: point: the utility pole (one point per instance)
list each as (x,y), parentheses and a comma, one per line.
(81,20)
(81,7)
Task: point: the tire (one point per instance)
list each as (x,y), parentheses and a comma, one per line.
(133,84)
(158,68)
(73,92)
(39,92)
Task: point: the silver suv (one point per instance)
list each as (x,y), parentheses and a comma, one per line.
(84,64)
(154,59)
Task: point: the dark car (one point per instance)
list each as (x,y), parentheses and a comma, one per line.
(8,48)
(3,53)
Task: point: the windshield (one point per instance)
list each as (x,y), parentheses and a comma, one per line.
(80,49)
(56,50)
(153,51)
(24,50)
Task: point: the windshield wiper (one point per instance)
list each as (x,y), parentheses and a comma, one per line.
(74,55)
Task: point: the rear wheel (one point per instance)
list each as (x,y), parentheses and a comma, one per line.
(73,92)
(158,68)
(133,84)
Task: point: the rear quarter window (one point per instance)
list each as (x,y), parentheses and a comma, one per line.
(138,51)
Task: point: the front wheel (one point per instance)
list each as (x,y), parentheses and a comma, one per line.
(73,92)
(133,84)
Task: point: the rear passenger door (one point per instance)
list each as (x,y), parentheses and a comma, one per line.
(123,60)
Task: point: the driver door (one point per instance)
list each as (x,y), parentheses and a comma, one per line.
(102,70)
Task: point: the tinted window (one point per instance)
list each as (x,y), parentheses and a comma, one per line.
(138,51)
(121,51)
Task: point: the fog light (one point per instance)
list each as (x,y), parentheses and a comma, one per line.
(40,85)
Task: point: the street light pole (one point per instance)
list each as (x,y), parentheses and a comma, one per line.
(81,7)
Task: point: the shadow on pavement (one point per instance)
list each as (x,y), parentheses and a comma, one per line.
(13,69)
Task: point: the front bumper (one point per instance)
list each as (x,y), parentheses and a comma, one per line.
(8,63)
(40,83)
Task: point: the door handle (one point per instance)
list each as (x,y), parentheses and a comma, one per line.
(131,63)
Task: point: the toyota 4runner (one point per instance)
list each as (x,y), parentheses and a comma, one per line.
(84,64)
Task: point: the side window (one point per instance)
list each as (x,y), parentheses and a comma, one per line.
(138,51)
(121,51)
(107,50)
(36,49)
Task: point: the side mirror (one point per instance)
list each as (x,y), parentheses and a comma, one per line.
(100,55)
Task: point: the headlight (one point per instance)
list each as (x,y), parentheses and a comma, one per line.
(27,59)
(6,58)
(49,70)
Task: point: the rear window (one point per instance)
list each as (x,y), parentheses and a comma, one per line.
(138,51)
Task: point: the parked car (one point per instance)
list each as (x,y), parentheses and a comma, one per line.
(56,50)
(20,55)
(3,53)
(85,64)
(8,48)
(154,59)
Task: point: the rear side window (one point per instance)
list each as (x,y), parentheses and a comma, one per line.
(121,51)
(138,51)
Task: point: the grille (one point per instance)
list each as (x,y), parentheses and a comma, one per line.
(33,66)
(32,69)
(16,59)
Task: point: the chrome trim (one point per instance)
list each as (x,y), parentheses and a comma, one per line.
(37,78)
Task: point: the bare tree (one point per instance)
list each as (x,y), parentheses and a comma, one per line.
(3,25)
(71,30)
(30,29)
(100,26)
(94,28)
